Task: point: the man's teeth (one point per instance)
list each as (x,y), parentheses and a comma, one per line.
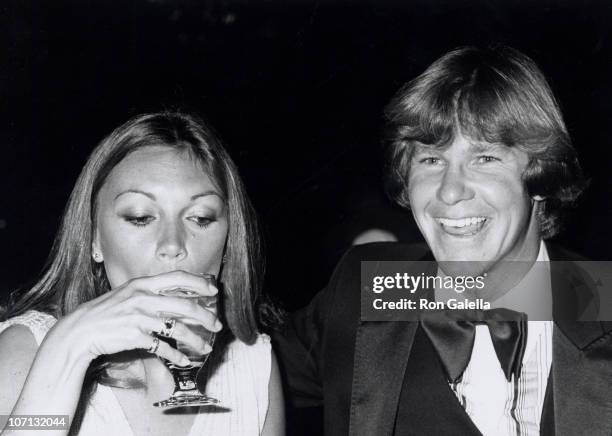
(461,222)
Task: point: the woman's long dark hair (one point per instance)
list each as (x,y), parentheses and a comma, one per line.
(71,277)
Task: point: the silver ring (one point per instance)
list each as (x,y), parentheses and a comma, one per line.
(154,346)
(168,328)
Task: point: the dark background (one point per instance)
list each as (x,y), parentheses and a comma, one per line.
(296,89)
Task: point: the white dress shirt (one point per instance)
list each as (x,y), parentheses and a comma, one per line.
(498,407)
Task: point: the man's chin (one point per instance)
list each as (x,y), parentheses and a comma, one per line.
(464,268)
(461,262)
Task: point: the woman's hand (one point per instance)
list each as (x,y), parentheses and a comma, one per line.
(124,318)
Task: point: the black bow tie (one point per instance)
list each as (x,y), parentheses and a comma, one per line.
(452,334)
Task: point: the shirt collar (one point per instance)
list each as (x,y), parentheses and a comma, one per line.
(533,294)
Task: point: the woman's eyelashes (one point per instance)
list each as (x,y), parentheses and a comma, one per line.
(139,220)
(202,221)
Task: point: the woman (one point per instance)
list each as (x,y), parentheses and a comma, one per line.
(158,204)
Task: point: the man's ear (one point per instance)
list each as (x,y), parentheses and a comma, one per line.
(96,251)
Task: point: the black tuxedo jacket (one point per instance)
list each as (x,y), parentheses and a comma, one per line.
(355,369)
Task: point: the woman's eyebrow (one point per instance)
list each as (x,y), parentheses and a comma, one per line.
(206,194)
(136,191)
(152,197)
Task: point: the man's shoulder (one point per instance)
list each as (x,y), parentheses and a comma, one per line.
(348,268)
(559,253)
(386,251)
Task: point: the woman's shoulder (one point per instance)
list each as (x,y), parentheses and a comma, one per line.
(252,358)
(38,323)
(19,341)
(261,344)
(241,383)
(19,347)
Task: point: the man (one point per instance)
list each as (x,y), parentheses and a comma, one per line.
(478,150)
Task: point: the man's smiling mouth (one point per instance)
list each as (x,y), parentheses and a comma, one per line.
(467,226)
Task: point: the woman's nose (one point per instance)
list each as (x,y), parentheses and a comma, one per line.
(454,187)
(171,245)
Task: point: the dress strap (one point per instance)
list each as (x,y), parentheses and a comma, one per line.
(39,323)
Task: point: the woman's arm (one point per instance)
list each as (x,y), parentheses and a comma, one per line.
(275,418)
(119,320)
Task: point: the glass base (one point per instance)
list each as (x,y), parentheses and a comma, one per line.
(187,399)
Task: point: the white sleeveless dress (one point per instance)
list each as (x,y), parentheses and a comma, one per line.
(240,383)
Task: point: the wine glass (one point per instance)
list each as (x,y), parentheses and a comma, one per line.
(186,392)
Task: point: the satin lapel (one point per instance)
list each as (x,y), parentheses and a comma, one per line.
(382,350)
(582,374)
(575,294)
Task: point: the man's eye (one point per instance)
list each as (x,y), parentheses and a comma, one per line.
(430,160)
(201,221)
(139,221)
(486,159)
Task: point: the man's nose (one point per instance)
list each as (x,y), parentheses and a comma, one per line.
(454,186)
(171,244)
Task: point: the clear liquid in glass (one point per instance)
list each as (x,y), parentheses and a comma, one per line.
(186,392)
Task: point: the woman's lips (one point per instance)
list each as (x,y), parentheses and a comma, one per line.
(467,226)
